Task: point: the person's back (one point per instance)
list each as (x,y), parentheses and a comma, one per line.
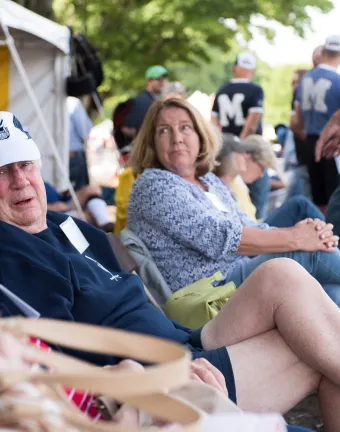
(238,105)
(320,97)
(156,80)
(234,101)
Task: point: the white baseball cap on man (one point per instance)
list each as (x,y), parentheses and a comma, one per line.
(246,60)
(16,144)
(333,43)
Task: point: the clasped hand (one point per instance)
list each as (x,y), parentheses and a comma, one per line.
(315,234)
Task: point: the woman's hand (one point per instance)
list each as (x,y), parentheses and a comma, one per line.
(204,371)
(315,234)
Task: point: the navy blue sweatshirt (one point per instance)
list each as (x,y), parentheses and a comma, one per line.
(49,273)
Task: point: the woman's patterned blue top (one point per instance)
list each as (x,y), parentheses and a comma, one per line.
(188,237)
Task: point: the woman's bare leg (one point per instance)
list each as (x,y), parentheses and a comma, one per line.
(281,294)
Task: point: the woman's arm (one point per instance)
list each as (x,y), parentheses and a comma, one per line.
(161,203)
(303,236)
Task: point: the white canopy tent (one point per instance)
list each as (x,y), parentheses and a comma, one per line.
(34,62)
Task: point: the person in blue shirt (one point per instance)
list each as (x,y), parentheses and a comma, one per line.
(317,99)
(80,126)
(65,269)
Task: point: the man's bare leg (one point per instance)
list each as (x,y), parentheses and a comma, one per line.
(281,294)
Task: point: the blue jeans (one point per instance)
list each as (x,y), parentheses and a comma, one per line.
(298,182)
(292,211)
(79,175)
(259,192)
(323,266)
(333,211)
(297,429)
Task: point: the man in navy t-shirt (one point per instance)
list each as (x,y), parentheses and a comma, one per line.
(317,99)
(156,80)
(238,105)
(238,109)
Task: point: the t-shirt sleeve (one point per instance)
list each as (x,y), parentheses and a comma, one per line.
(298,94)
(171,208)
(256,104)
(81,122)
(137,113)
(215,109)
(51,194)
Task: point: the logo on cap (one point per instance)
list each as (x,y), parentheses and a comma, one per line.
(17,124)
(4,132)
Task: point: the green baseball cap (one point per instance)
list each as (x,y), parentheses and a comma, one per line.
(154,72)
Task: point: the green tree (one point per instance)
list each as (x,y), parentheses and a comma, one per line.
(133,34)
(41,7)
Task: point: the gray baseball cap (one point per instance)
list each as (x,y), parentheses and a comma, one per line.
(232,143)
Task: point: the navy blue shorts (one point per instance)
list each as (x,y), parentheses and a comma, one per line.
(218,357)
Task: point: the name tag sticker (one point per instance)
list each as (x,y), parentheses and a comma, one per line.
(215,200)
(74,234)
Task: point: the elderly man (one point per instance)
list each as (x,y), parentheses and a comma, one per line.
(66,269)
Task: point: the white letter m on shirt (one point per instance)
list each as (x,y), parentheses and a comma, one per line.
(314,94)
(231,109)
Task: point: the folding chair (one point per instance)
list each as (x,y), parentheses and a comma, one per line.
(129,264)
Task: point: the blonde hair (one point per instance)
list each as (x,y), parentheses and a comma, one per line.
(144,153)
(264,154)
(227,165)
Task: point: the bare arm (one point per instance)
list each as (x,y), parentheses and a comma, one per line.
(129,132)
(296,122)
(255,241)
(251,124)
(214,120)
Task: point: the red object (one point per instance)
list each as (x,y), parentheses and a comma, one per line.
(84,401)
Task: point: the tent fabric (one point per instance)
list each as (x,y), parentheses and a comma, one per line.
(4,74)
(43,47)
(21,19)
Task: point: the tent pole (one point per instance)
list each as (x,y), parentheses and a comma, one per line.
(22,72)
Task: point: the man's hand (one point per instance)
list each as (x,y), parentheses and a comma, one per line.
(204,371)
(328,144)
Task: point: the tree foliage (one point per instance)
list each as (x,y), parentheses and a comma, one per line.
(133,34)
(41,7)
(188,36)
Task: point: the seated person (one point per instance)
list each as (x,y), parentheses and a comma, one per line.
(184,214)
(66,269)
(90,201)
(247,159)
(125,182)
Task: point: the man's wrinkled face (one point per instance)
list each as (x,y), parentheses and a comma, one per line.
(23,196)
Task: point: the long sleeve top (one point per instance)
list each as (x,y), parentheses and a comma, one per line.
(188,236)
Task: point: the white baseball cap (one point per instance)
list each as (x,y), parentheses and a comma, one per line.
(246,60)
(16,144)
(333,43)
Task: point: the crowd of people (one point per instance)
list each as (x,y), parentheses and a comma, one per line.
(196,194)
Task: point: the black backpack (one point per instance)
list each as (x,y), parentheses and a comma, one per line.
(118,118)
